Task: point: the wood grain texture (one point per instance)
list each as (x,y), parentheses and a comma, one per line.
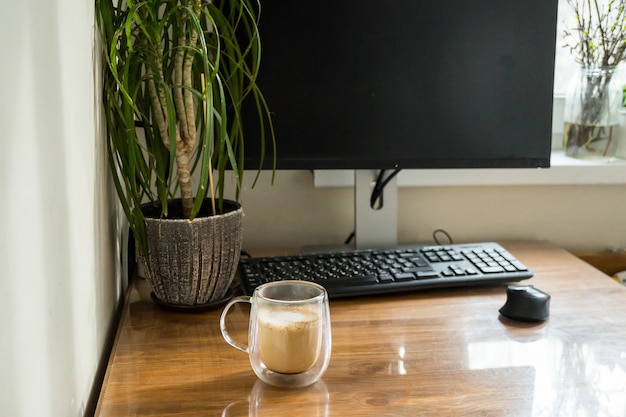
(437,352)
(608,262)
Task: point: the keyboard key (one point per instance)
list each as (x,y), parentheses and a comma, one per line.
(404,276)
(353,281)
(519,266)
(491,269)
(385,279)
(427,274)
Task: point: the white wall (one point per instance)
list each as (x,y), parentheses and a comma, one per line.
(58,283)
(577,217)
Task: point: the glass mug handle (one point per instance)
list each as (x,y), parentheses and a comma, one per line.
(225,334)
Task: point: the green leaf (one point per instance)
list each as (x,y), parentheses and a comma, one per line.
(140,41)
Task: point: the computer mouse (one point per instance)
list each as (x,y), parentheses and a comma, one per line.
(526,303)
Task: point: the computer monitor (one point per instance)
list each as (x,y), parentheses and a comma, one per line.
(408,84)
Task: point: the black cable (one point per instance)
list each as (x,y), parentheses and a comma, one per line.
(450,242)
(349,238)
(376,199)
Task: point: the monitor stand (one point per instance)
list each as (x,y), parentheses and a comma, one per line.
(374,228)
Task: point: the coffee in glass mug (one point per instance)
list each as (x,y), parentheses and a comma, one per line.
(289,337)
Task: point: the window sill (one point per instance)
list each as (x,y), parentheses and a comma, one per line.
(563,171)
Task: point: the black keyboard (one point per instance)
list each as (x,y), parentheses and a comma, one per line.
(368,272)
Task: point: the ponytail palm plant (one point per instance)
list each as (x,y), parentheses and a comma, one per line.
(176,75)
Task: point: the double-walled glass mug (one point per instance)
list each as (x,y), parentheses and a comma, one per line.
(289,338)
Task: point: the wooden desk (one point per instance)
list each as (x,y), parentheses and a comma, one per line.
(441,352)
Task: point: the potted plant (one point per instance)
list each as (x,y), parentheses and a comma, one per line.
(176,75)
(598,43)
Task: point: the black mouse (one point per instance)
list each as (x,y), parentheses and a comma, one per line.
(526,303)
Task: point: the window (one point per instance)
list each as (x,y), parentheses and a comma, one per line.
(565,65)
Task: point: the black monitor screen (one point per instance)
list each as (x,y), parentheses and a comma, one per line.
(370,84)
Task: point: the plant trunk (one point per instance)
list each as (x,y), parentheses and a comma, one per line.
(184,180)
(185,108)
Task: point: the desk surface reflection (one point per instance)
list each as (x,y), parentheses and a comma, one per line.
(438,352)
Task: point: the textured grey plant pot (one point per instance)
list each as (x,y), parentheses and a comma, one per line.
(193,263)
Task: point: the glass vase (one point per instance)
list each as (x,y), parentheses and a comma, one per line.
(592,114)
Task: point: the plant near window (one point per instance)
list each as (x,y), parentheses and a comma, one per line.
(176,75)
(598,44)
(599,33)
